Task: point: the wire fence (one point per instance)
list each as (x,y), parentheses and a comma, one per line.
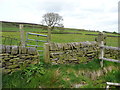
(6,40)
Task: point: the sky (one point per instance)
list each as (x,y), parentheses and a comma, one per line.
(97,15)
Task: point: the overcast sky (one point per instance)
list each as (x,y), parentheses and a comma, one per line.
(96,15)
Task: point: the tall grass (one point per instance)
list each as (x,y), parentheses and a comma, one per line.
(61,76)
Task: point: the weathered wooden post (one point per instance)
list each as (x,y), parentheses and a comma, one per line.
(22,35)
(101,37)
(46,53)
(49,34)
(101,53)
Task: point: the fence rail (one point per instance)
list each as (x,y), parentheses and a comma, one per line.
(110,47)
(112,60)
(102,38)
(111,84)
(102,54)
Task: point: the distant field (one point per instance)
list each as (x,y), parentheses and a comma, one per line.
(65,38)
(33,29)
(12,30)
(25,28)
(38,28)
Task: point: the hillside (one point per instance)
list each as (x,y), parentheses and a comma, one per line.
(31,27)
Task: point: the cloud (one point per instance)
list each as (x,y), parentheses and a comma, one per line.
(51,6)
(88,14)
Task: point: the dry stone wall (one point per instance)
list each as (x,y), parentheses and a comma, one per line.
(112,54)
(14,58)
(76,52)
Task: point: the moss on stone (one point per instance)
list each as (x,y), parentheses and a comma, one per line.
(6,71)
(13,60)
(12,66)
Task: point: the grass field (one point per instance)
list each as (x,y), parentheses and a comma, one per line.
(65,38)
(60,76)
(59,38)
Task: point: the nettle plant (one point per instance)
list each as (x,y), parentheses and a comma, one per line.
(37,69)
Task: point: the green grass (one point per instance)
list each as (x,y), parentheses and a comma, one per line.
(30,29)
(65,38)
(113,41)
(25,28)
(62,76)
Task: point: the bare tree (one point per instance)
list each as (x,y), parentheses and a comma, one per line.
(52,20)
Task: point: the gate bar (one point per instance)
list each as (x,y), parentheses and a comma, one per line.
(37,40)
(37,34)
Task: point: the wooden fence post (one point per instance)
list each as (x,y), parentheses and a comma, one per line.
(46,53)
(101,37)
(22,35)
(49,34)
(101,53)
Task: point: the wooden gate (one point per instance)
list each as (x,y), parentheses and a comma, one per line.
(36,40)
